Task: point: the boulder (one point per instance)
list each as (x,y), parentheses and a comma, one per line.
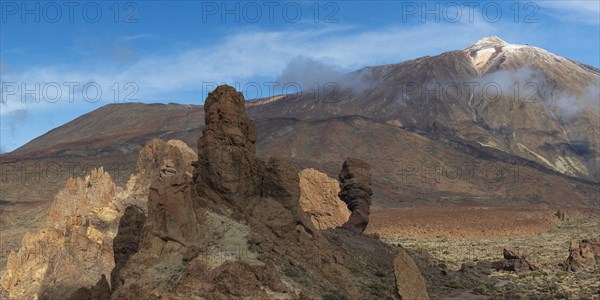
(515,262)
(319,198)
(409,281)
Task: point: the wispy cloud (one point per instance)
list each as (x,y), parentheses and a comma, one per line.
(587,12)
(245,55)
(136,37)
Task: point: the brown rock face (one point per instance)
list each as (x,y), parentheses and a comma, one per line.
(356,192)
(582,254)
(319,198)
(409,281)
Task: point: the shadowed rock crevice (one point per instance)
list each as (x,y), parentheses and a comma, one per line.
(126,242)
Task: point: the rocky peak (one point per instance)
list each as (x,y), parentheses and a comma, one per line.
(225,113)
(227,161)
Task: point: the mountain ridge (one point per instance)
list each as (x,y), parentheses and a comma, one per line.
(319,132)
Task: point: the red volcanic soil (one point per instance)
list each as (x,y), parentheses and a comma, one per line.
(468,222)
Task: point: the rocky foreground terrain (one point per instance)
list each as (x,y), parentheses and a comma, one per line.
(221,225)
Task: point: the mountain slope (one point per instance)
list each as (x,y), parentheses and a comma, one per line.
(518,99)
(428,143)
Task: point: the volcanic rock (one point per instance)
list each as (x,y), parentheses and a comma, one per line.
(319,198)
(356,192)
(236,228)
(582,254)
(227,162)
(516,262)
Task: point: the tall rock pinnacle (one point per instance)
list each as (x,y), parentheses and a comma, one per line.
(227,161)
(356,192)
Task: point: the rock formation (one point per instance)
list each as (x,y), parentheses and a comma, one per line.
(73,257)
(582,254)
(356,192)
(231,227)
(319,198)
(236,229)
(515,262)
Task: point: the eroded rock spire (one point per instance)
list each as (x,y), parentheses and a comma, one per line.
(356,192)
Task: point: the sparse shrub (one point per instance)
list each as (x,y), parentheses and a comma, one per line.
(562,274)
(291,273)
(536,273)
(560,215)
(378,288)
(480,290)
(454,283)
(334,295)
(380,273)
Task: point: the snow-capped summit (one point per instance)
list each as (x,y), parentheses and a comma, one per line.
(491,53)
(487,42)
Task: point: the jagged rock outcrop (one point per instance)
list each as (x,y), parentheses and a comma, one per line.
(236,229)
(231,229)
(356,192)
(73,257)
(516,262)
(582,255)
(409,281)
(75,249)
(319,198)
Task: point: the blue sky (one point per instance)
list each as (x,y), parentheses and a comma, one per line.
(175,51)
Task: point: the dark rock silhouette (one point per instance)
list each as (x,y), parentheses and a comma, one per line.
(356,192)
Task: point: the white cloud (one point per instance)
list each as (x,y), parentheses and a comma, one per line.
(573,10)
(245,55)
(135,37)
